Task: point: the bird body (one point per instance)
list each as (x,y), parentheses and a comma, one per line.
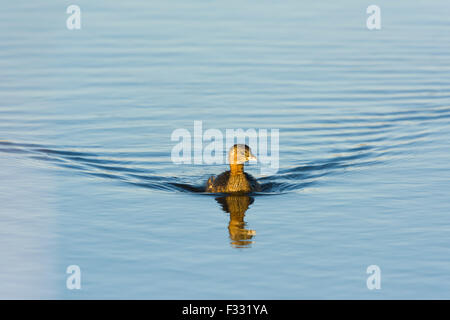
(227,182)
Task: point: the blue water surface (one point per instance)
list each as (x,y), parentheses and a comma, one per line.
(86,177)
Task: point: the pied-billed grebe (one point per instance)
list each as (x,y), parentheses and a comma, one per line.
(235,180)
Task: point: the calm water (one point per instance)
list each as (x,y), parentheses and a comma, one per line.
(86,177)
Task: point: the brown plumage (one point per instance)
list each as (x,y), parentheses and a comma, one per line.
(235,180)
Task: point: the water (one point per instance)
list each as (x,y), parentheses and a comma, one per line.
(87,180)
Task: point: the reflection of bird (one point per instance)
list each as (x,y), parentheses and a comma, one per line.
(235,180)
(236,206)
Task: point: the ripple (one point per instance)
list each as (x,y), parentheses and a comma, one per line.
(333,143)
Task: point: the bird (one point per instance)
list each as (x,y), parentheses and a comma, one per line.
(235,180)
